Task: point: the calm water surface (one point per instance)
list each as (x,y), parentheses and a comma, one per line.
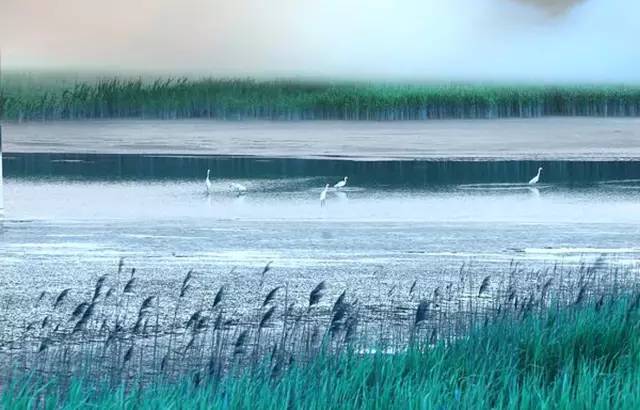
(69,218)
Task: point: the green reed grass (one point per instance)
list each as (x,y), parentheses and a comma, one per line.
(59,96)
(117,331)
(577,357)
(117,334)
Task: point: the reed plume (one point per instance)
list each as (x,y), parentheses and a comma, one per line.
(61,297)
(317,293)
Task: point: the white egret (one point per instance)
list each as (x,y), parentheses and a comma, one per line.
(323,195)
(239,188)
(342,183)
(535,179)
(208,182)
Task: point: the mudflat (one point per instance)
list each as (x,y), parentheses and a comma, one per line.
(540,138)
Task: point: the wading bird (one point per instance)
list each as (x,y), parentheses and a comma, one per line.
(535,179)
(208,182)
(239,188)
(323,195)
(342,183)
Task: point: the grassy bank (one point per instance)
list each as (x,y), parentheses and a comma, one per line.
(583,356)
(64,96)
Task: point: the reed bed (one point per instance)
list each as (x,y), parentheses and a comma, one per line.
(28,97)
(116,333)
(566,341)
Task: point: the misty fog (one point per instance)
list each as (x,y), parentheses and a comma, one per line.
(506,40)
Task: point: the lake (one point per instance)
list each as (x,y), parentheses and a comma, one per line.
(69,218)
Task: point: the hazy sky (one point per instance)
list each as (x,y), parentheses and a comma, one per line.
(588,40)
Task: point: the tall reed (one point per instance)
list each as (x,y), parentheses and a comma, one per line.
(28,97)
(572,357)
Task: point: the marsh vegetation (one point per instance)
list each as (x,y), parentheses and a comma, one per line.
(473,338)
(61,96)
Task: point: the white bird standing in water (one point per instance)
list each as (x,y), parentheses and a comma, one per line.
(342,183)
(535,179)
(239,188)
(208,182)
(323,195)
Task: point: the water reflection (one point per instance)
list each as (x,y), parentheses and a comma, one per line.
(412,218)
(298,200)
(341,195)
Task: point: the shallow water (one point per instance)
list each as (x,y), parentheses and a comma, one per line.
(68,219)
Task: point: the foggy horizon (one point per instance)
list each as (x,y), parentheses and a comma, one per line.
(464,40)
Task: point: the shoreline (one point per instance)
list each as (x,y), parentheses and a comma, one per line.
(549,138)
